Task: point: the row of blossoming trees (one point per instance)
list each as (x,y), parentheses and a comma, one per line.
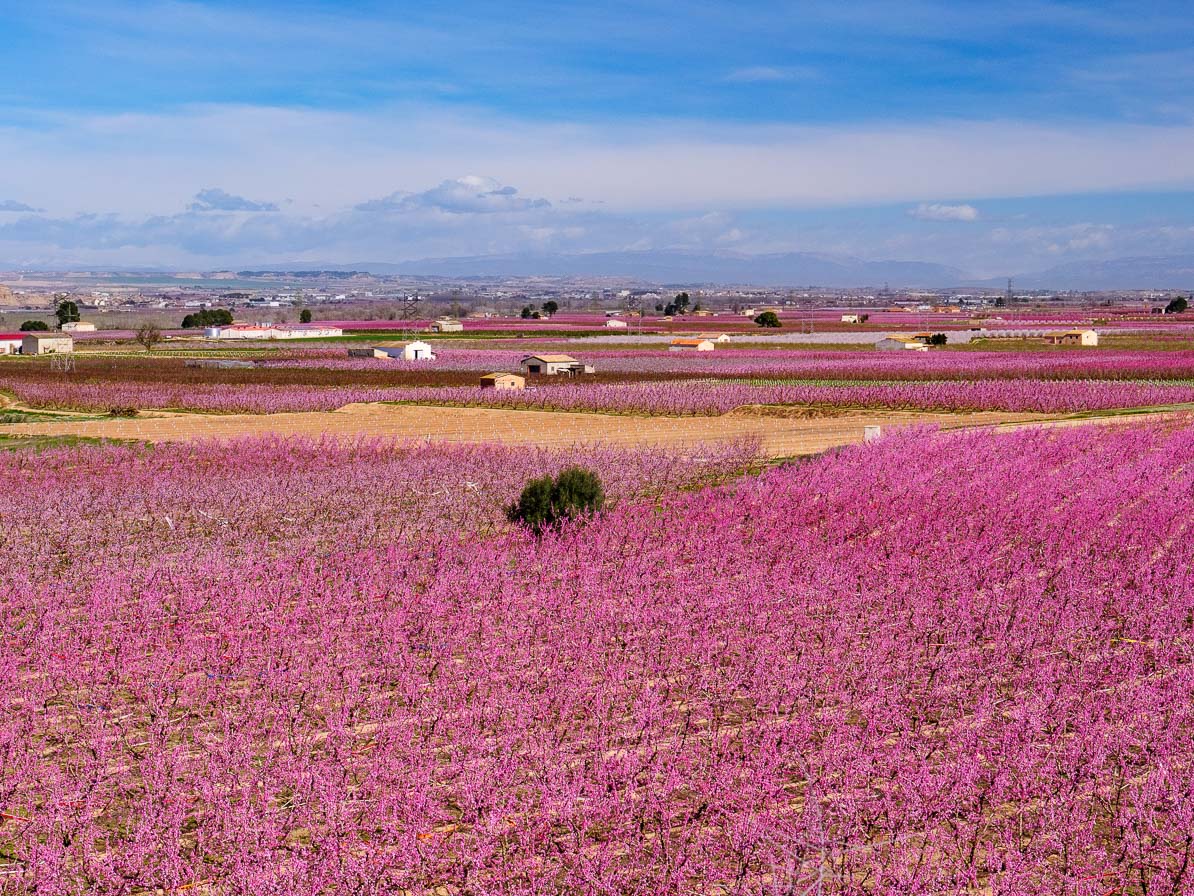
(672,398)
(946,664)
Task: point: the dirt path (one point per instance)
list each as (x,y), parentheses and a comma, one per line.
(780,437)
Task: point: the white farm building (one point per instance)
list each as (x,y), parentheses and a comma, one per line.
(554,365)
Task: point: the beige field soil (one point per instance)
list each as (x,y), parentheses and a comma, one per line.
(780,436)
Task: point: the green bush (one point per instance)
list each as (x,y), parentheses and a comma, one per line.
(208,317)
(546,502)
(768,319)
(31,326)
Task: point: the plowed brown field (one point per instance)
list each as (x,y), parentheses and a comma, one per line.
(780,437)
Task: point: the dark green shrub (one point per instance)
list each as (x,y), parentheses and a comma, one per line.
(30,326)
(546,502)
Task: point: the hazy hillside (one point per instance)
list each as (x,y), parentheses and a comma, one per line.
(794,268)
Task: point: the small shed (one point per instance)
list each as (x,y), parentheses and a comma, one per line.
(930,338)
(47,344)
(614,324)
(901,343)
(1074,337)
(716,337)
(10,343)
(855,318)
(696,345)
(447,325)
(554,365)
(78,326)
(503,381)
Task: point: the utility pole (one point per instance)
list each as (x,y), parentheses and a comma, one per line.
(410,306)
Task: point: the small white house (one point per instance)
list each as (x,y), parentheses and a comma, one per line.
(10,343)
(78,326)
(447,325)
(696,345)
(716,337)
(46,344)
(614,324)
(855,318)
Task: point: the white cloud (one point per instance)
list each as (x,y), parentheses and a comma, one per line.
(934,211)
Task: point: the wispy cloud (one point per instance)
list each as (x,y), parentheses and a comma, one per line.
(141,163)
(762,74)
(935,211)
(213,199)
(11,205)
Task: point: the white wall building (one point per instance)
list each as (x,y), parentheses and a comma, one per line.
(271,331)
(46,344)
(697,345)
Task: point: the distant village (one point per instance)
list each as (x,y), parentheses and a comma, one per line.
(279,298)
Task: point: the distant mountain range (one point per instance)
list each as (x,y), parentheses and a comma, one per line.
(800,269)
(786,269)
(789,269)
(1149,272)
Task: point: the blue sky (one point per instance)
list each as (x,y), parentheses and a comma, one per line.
(996,137)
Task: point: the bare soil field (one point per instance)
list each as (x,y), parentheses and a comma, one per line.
(780,436)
